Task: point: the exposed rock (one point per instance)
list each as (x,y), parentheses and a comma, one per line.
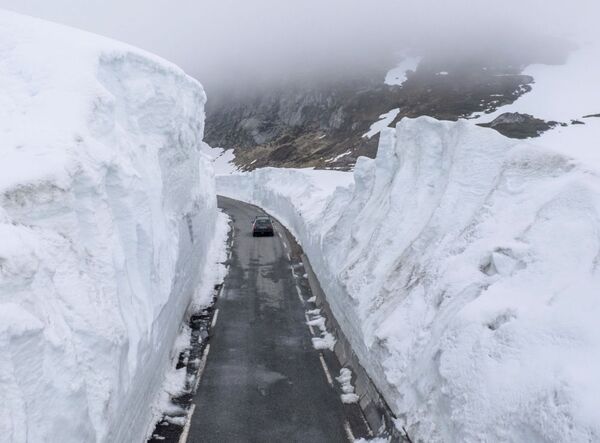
(516,125)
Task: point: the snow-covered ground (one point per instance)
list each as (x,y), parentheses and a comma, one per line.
(107,210)
(565,93)
(463,268)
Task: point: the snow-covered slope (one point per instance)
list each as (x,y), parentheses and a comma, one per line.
(463,267)
(106,211)
(566,93)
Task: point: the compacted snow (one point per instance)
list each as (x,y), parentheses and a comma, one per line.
(107,209)
(463,268)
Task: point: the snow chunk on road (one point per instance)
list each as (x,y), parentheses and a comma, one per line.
(349,398)
(326,341)
(107,208)
(318,321)
(345,380)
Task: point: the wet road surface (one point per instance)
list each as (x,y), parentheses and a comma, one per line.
(263,380)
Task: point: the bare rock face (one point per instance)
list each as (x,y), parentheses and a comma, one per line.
(516,125)
(510,118)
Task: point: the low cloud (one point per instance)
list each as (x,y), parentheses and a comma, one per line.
(241,44)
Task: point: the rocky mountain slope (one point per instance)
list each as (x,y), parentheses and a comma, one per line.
(323,123)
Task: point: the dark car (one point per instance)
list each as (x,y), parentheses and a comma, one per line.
(262,225)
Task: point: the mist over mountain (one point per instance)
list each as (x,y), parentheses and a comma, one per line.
(240,45)
(299,83)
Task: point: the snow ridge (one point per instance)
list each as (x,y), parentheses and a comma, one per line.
(107,208)
(462,267)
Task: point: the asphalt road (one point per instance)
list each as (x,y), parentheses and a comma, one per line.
(263,380)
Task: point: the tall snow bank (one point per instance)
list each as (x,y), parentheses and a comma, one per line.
(463,268)
(107,208)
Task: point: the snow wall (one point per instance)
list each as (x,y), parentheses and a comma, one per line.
(463,268)
(107,208)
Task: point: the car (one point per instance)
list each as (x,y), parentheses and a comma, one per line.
(262,226)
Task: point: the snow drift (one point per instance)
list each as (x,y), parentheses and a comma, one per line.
(107,208)
(463,268)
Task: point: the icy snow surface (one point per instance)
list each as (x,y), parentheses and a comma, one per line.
(463,268)
(107,209)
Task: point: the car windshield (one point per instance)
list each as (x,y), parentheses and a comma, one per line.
(262,221)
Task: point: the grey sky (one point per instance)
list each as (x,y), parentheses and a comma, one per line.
(226,40)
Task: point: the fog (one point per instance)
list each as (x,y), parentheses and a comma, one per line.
(226,43)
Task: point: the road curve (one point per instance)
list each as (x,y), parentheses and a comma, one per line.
(263,380)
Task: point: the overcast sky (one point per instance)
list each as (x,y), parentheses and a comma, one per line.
(228,40)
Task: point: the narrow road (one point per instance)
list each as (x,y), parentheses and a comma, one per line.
(263,380)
